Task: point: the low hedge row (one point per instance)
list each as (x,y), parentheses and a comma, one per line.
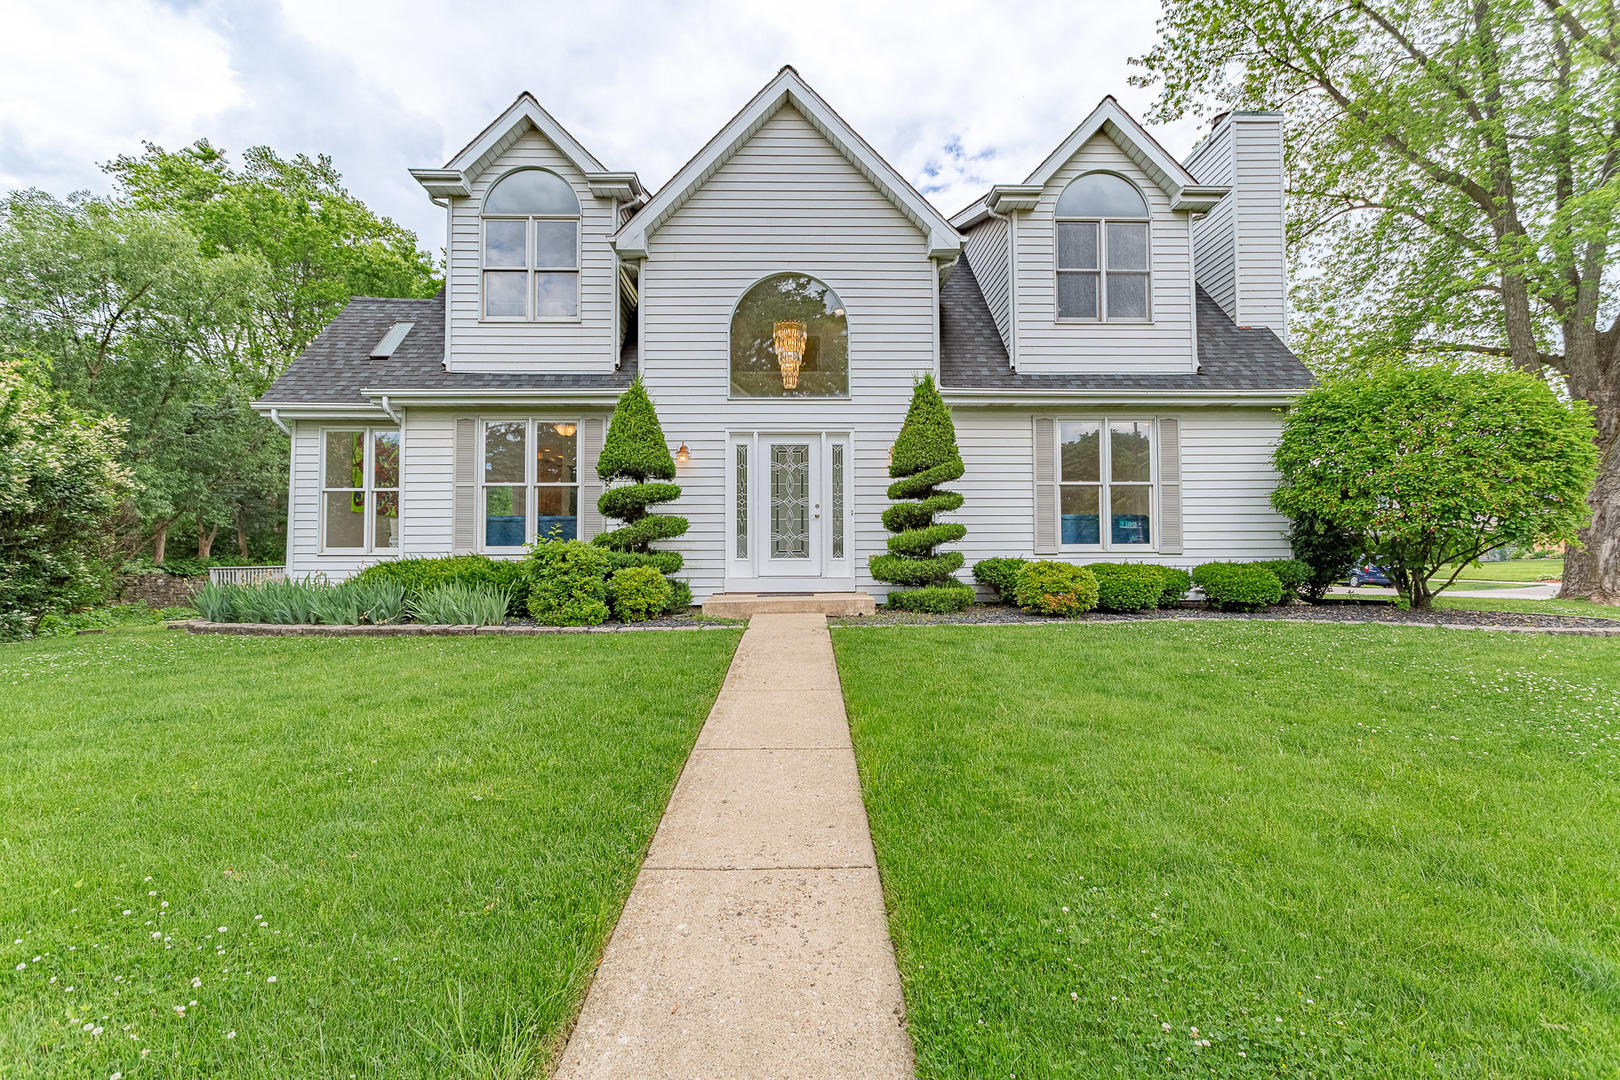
(1238,586)
(420,575)
(1121,587)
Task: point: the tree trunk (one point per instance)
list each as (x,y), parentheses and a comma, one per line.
(160,540)
(205,540)
(241,532)
(1592,569)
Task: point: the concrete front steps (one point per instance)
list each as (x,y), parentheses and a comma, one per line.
(742,605)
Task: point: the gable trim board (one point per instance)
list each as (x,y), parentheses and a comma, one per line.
(787,89)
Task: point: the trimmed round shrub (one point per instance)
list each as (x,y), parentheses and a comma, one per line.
(420,575)
(1126,587)
(1000,575)
(638,593)
(933,599)
(1055,588)
(1237,587)
(569,585)
(1293,574)
(680,597)
(1177,584)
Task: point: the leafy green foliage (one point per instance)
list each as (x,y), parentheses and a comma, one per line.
(60,482)
(925,456)
(1327,550)
(419,575)
(461,603)
(1291,574)
(944,599)
(1000,575)
(1056,588)
(1450,188)
(1177,584)
(638,593)
(635,451)
(568,583)
(1428,466)
(1126,587)
(295,603)
(1237,586)
(111,617)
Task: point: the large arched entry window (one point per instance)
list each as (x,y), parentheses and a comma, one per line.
(1102,250)
(789,338)
(531,247)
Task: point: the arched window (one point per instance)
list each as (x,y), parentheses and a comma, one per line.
(1102,250)
(531,247)
(789,338)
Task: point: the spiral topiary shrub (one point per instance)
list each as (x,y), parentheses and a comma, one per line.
(1127,587)
(1237,587)
(568,585)
(635,451)
(1000,575)
(638,593)
(925,456)
(1055,588)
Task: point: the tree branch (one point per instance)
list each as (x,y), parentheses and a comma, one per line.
(1572,25)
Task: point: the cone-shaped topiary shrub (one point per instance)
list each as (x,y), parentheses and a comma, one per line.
(635,451)
(925,456)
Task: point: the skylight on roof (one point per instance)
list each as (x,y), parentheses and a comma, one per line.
(396,334)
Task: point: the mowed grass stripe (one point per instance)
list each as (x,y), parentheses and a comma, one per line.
(1332,851)
(437,836)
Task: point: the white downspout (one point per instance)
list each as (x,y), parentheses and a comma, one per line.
(392,415)
(275,418)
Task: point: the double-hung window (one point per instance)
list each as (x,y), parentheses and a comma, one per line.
(531,247)
(1106,476)
(1102,250)
(530,482)
(360,490)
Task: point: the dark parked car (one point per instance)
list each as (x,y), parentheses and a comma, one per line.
(1369,574)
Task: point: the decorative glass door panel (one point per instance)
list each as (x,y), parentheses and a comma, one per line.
(790,521)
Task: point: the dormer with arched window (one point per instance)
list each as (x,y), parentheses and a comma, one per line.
(1103,242)
(530,226)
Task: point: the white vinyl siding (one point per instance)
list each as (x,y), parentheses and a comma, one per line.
(1240,247)
(786,201)
(1049,345)
(986,248)
(584,344)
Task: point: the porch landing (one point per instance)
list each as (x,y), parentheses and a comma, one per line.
(740,605)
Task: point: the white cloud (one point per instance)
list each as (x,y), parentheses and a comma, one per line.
(82,83)
(956,95)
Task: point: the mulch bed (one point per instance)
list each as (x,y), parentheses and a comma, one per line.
(1352,612)
(513,627)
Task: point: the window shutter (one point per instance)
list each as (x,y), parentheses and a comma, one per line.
(1046,523)
(590,485)
(464,537)
(1169,485)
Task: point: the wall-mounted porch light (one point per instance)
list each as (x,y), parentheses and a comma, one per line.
(683,455)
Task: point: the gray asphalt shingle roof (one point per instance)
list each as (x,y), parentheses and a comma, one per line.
(338,363)
(1230,357)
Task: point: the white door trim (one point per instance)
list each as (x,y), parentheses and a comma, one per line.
(749,564)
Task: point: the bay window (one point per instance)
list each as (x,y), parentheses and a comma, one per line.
(530,482)
(1106,477)
(360,490)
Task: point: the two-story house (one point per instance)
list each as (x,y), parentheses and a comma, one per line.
(1107,333)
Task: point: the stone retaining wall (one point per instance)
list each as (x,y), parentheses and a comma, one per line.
(159,590)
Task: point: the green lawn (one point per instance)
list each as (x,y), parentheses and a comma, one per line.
(1523,571)
(1542,607)
(335,857)
(1332,851)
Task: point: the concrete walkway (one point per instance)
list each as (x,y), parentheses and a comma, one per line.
(754,943)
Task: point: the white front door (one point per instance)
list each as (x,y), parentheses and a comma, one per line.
(790,516)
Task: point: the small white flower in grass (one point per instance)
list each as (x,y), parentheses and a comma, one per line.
(1065,911)
(157,933)
(230,1034)
(151,892)
(180,1010)
(148,878)
(1073,996)
(196,981)
(193,1004)
(222,929)
(1165,1026)
(17,942)
(145,1050)
(69,990)
(88,1027)
(1242,1054)
(164,904)
(271,979)
(22,965)
(127,911)
(36,959)
(97,1030)
(116,1076)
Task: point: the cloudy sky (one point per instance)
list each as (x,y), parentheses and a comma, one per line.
(956,95)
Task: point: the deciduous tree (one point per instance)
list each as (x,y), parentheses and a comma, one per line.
(1453,187)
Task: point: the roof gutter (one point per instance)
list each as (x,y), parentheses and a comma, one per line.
(977,397)
(390,397)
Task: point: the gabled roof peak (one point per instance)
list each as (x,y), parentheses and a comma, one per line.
(788,88)
(523,115)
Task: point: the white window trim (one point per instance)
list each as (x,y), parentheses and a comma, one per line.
(531,504)
(1102,271)
(849,343)
(1105,483)
(369,475)
(529,270)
